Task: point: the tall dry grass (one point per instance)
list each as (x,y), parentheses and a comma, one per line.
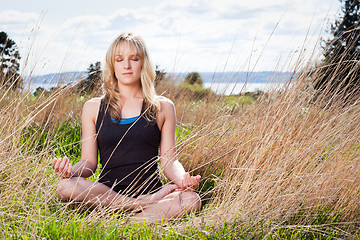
(294,154)
(282,159)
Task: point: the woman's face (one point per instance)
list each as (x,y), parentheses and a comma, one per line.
(127,64)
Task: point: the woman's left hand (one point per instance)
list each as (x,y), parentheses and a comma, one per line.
(189,182)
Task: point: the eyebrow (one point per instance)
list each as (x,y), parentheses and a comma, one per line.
(132,55)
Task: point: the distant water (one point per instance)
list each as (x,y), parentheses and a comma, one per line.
(51,80)
(226,83)
(236,88)
(240,77)
(34,85)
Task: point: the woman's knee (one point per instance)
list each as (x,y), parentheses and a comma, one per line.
(190,201)
(66,188)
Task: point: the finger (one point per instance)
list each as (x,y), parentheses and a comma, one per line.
(185,183)
(187,180)
(68,170)
(54,161)
(197,177)
(188,186)
(65,171)
(66,167)
(182,184)
(195,182)
(56,167)
(63,165)
(190,181)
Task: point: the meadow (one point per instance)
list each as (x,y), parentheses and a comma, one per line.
(276,165)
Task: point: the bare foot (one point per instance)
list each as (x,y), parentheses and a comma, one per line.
(165,190)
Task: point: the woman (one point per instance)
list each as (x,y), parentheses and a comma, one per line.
(127,126)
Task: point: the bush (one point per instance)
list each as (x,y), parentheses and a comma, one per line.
(194,78)
(195,91)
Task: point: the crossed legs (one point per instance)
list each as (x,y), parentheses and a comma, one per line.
(164,204)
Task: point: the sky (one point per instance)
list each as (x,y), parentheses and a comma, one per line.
(181,35)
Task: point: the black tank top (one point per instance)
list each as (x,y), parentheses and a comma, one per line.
(128,154)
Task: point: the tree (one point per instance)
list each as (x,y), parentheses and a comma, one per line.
(194,78)
(160,74)
(93,80)
(193,86)
(340,70)
(40,91)
(9,62)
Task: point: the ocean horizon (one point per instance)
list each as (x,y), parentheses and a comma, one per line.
(224,83)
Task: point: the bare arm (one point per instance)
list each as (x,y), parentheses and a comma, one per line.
(88,163)
(172,168)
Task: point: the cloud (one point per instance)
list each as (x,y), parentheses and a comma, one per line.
(199,7)
(17,24)
(199,33)
(127,19)
(15,17)
(238,11)
(90,23)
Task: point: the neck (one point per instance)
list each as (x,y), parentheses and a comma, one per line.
(128,92)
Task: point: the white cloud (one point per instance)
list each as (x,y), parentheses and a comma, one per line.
(15,17)
(89,23)
(199,33)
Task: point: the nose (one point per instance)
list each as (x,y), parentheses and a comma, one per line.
(127,64)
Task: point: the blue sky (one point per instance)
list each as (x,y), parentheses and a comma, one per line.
(182,35)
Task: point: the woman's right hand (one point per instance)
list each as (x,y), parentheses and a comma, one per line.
(63,167)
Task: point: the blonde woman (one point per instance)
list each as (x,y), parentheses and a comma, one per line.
(128,126)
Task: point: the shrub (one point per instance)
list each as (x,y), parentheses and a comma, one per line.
(194,78)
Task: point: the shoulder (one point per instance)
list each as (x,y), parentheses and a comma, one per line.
(94,102)
(166,114)
(91,108)
(166,104)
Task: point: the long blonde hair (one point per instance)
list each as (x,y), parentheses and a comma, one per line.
(110,84)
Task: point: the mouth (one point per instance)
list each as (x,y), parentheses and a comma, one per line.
(127,73)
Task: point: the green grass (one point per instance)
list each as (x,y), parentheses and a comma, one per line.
(64,139)
(77,227)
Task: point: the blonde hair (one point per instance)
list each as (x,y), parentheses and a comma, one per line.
(110,84)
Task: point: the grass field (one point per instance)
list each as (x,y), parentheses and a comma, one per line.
(285,165)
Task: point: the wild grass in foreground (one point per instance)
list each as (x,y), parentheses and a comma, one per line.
(283,166)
